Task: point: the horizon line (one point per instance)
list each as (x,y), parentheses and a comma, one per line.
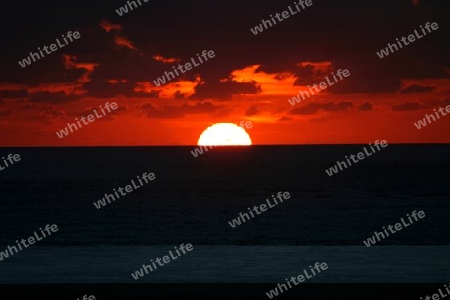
(220,146)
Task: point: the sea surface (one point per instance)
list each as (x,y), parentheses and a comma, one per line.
(193,199)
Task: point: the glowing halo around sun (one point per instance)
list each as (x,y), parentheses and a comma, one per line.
(224,134)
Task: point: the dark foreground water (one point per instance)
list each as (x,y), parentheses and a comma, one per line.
(193,199)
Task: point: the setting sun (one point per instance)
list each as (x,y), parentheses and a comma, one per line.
(224,134)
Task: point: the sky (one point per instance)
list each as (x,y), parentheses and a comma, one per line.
(251,77)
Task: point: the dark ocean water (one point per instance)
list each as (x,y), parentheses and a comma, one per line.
(193,199)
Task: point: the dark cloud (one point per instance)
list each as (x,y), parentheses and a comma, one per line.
(52,112)
(320,120)
(224,90)
(45,114)
(119,110)
(252,111)
(167,112)
(441,103)
(114,88)
(274,68)
(28,106)
(104,89)
(174,112)
(284,119)
(14,94)
(415,89)
(314,107)
(223,113)
(408,106)
(108,116)
(306,74)
(151,94)
(5,112)
(358,85)
(107,26)
(349,45)
(365,106)
(308,109)
(446,101)
(53,98)
(364,78)
(199,108)
(179,95)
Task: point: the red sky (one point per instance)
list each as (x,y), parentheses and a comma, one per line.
(250,78)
